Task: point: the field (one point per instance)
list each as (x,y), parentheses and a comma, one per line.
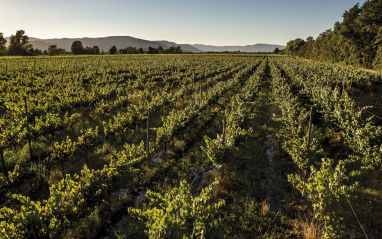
(196,146)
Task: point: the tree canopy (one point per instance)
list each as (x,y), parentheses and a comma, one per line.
(53,50)
(3,41)
(357,40)
(113,50)
(19,44)
(77,48)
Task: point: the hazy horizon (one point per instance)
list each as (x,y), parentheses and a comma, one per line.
(218,23)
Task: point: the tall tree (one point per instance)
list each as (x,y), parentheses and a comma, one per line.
(370,21)
(113,50)
(151,50)
(357,40)
(276,50)
(377,64)
(77,48)
(160,49)
(3,41)
(88,50)
(95,50)
(19,44)
(52,50)
(294,46)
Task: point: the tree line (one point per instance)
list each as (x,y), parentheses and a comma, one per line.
(19,46)
(357,40)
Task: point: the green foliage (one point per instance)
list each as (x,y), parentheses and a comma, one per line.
(28,219)
(54,51)
(95,50)
(11,178)
(19,44)
(294,46)
(377,64)
(178,215)
(113,50)
(327,191)
(3,41)
(354,41)
(77,48)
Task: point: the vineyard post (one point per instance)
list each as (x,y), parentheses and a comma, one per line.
(224,123)
(3,164)
(147,137)
(310,128)
(6,68)
(29,138)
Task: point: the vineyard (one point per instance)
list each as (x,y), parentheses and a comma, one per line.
(189,146)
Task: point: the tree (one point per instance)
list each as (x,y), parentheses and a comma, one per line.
(294,46)
(178,50)
(160,49)
(357,40)
(77,48)
(19,44)
(37,52)
(140,51)
(3,41)
(276,50)
(370,21)
(377,64)
(151,50)
(173,50)
(52,50)
(95,50)
(113,50)
(88,50)
(123,51)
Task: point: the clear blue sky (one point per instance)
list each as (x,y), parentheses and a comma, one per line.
(215,22)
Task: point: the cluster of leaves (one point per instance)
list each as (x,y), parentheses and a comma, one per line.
(177,214)
(325,188)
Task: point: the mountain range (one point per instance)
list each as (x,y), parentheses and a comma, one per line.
(104,43)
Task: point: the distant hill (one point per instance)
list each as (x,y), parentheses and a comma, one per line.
(185,47)
(248,48)
(104,43)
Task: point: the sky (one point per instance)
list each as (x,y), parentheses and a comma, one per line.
(211,22)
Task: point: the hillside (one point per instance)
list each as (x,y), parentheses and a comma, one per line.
(248,48)
(185,47)
(104,43)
